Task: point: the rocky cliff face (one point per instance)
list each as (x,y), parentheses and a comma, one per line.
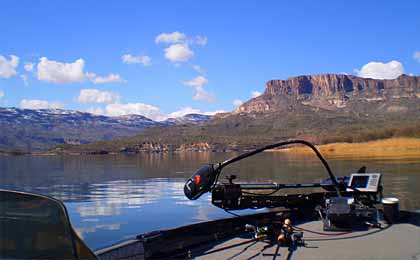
(331,92)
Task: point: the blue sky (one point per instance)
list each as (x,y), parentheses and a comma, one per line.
(224,50)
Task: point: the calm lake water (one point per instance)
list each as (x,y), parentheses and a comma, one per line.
(111,198)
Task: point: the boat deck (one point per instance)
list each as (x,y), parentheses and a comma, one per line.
(398,241)
(401,241)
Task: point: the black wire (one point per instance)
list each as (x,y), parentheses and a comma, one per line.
(242,217)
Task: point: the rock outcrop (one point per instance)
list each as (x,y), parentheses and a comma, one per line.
(330,91)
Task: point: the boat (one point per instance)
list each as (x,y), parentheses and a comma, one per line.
(349,218)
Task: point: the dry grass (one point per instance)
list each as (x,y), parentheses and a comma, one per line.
(386,148)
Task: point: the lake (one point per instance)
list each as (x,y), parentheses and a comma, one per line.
(111,198)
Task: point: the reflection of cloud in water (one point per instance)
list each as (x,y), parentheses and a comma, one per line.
(203,212)
(90,220)
(98,209)
(182,200)
(139,205)
(186,202)
(86,230)
(109,198)
(203,208)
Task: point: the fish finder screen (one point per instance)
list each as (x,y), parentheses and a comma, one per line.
(359,181)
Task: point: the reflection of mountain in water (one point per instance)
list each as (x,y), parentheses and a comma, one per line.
(51,170)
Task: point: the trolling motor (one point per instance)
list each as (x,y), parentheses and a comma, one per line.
(346,203)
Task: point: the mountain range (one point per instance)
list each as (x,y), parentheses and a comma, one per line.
(321,108)
(29,130)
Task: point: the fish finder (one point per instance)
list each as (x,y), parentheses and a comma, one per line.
(364,182)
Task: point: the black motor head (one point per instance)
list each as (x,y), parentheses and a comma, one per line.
(201,181)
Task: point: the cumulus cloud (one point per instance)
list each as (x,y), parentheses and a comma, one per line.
(60,72)
(416,55)
(184,111)
(73,72)
(8,67)
(179,49)
(40,104)
(201,40)
(255,94)
(28,66)
(146,110)
(212,113)
(149,111)
(141,59)
(379,70)
(1,94)
(178,52)
(111,78)
(189,110)
(173,37)
(198,84)
(237,102)
(90,95)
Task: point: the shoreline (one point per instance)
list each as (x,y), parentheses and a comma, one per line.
(392,148)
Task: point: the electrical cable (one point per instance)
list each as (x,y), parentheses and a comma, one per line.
(298,228)
(322,233)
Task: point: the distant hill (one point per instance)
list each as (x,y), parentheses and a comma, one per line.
(321,108)
(188,119)
(29,130)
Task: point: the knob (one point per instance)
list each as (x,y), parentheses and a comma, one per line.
(231,178)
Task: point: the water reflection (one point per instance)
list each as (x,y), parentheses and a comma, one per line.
(115,197)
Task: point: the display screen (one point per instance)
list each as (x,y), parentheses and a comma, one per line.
(359,181)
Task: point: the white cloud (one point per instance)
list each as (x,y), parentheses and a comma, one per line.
(24,79)
(379,70)
(212,113)
(178,52)
(200,94)
(90,95)
(255,94)
(416,55)
(189,110)
(131,59)
(199,69)
(1,94)
(237,102)
(184,111)
(95,110)
(173,37)
(28,66)
(111,78)
(40,104)
(201,40)
(146,110)
(8,67)
(60,72)
(66,73)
